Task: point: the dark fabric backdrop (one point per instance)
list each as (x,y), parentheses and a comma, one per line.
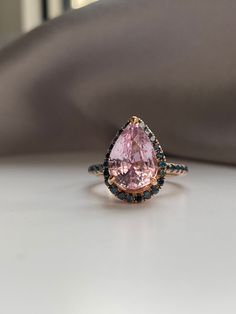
(69,84)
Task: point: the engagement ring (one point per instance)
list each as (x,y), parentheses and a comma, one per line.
(135,166)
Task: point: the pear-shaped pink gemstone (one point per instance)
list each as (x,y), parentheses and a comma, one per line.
(132,161)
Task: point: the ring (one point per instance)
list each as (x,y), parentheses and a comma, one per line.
(135,166)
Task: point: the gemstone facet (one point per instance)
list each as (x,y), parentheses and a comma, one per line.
(132,162)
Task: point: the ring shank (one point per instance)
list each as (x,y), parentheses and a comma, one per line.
(171,169)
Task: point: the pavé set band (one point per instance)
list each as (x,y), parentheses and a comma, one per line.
(135,166)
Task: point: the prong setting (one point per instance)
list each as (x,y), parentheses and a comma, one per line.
(134,120)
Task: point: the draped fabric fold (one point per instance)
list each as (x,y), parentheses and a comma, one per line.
(70,83)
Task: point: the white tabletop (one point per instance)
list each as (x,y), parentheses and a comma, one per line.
(68,247)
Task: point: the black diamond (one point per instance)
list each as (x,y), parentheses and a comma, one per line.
(154,189)
(113,189)
(162,164)
(130,198)
(147,195)
(121,195)
(105,164)
(139,198)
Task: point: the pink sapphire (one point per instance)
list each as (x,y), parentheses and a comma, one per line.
(132,160)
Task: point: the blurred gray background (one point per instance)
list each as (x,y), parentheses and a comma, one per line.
(20,16)
(68,83)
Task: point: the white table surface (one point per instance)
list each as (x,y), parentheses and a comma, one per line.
(68,247)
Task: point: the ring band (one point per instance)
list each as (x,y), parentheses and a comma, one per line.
(135,166)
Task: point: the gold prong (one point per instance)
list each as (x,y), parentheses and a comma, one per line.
(154,181)
(111,180)
(134,120)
